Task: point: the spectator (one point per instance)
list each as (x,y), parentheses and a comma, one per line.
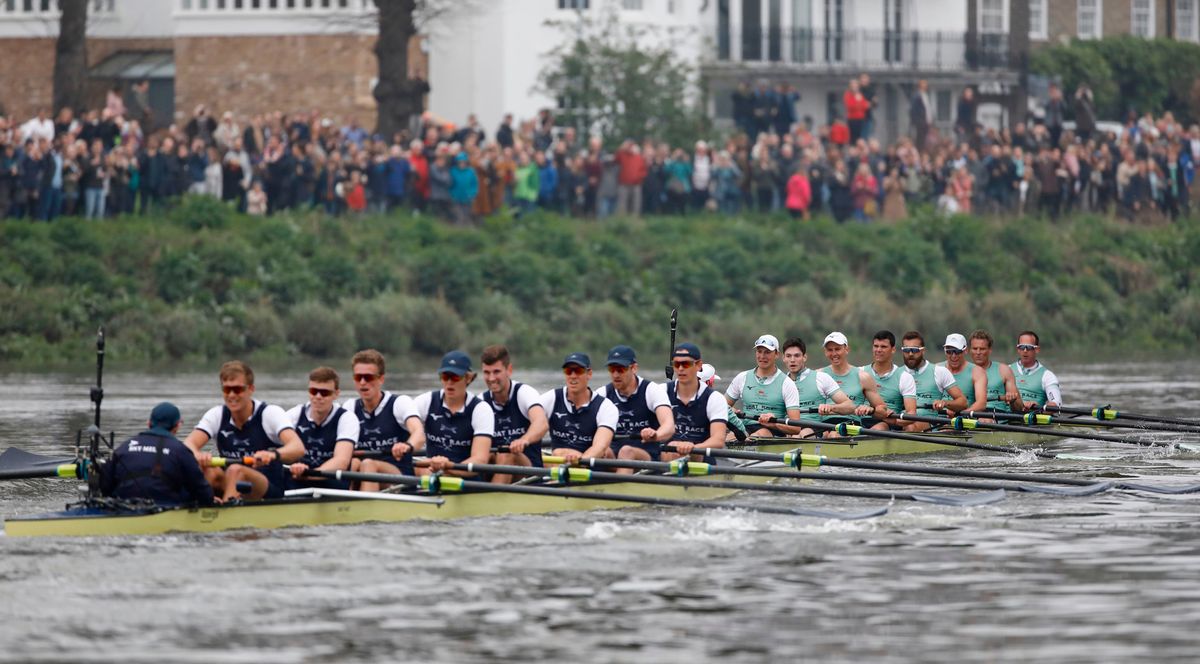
(631,174)
(256,200)
(894,206)
(677,174)
(201,126)
(1085,114)
(701,175)
(962,186)
(799,193)
(726,180)
(94,181)
(353,133)
(504,134)
(50,194)
(38,127)
(857,107)
(464,187)
(867,89)
(1055,113)
(396,173)
(355,193)
(527,185)
(964,119)
(547,196)
(864,188)
(764,176)
(226,132)
(743,108)
(785,115)
(439,186)
(920,115)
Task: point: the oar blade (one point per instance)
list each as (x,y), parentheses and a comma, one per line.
(1152,488)
(16,460)
(972,500)
(1075,491)
(840,516)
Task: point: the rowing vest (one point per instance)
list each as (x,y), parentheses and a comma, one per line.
(319,441)
(378,433)
(850,384)
(806,385)
(252,437)
(449,434)
(759,398)
(964,380)
(634,414)
(1030,384)
(573,429)
(511,424)
(995,389)
(889,387)
(927,390)
(691,420)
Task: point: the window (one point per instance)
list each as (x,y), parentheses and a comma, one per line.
(1141,20)
(1087,19)
(992,16)
(632,5)
(1186,28)
(572,4)
(1038,19)
(944,103)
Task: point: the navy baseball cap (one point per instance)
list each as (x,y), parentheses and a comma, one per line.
(165,416)
(687,349)
(455,362)
(621,356)
(580,359)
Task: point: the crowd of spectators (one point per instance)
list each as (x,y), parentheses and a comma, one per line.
(102,163)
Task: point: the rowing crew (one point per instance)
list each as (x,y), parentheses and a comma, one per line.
(875,395)
(381,432)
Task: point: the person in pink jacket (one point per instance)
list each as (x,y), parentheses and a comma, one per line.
(799,194)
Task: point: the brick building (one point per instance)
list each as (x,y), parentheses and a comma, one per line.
(248,56)
(1055,20)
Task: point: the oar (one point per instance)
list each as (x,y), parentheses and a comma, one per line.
(671,349)
(1109,413)
(16,464)
(437,483)
(799,460)
(967,424)
(570,475)
(1035,419)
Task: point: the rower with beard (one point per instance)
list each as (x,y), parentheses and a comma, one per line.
(1002,393)
(970,378)
(520,418)
(582,422)
(458,425)
(700,413)
(1037,384)
(896,386)
(645,420)
(245,427)
(816,389)
(329,432)
(765,392)
(389,428)
(935,385)
(856,383)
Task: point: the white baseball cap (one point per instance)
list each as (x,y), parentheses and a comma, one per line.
(708,372)
(956,341)
(837,338)
(767,341)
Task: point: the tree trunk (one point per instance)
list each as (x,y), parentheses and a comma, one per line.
(70,55)
(397,96)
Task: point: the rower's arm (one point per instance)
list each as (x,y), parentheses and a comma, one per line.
(842,405)
(600,443)
(1011,394)
(539,425)
(292,448)
(416,433)
(343,453)
(871,392)
(196,440)
(666,424)
(1053,391)
(958,400)
(716,435)
(979,379)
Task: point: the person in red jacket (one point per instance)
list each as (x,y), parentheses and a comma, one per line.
(631,172)
(857,107)
(420,175)
(839,133)
(799,192)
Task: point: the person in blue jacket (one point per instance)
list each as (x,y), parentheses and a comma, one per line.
(156,466)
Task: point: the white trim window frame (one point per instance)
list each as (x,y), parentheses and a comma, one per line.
(1089,19)
(1187,20)
(1141,18)
(992,17)
(1039,18)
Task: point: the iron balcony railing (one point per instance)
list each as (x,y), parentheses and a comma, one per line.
(864,49)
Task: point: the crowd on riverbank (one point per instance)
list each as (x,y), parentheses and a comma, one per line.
(101,163)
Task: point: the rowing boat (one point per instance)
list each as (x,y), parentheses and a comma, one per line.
(853,447)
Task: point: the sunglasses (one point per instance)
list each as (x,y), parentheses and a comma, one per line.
(320,392)
(911,350)
(617,369)
(574,370)
(953,351)
(683,364)
(233,389)
(448,377)
(1027,347)
(365,378)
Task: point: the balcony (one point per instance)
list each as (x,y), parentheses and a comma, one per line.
(860,50)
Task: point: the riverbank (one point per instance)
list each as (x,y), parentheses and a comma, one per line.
(202,283)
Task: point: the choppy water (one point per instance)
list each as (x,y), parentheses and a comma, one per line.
(1108,578)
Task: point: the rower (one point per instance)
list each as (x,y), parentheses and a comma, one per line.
(970,378)
(856,383)
(935,385)
(582,422)
(520,418)
(1037,384)
(329,433)
(645,420)
(765,392)
(737,430)
(896,386)
(699,412)
(817,390)
(1002,393)
(246,427)
(388,423)
(458,425)
(155,465)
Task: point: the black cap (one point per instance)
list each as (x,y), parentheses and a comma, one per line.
(580,359)
(165,416)
(455,362)
(687,349)
(621,356)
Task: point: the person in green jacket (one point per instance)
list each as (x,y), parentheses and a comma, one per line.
(525,190)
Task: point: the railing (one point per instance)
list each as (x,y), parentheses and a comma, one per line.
(17,9)
(210,7)
(864,49)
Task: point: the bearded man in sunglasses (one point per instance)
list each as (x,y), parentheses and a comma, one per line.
(329,432)
(936,388)
(646,420)
(1037,384)
(246,428)
(389,429)
(582,422)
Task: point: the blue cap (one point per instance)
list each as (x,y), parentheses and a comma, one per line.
(165,416)
(455,362)
(621,356)
(580,359)
(686,349)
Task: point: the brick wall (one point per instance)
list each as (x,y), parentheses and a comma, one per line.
(1117,17)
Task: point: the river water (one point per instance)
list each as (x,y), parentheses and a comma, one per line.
(1108,578)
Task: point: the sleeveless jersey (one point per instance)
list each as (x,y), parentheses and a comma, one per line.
(810,395)
(1030,384)
(889,387)
(928,390)
(995,389)
(573,429)
(252,437)
(964,380)
(378,433)
(850,384)
(449,434)
(635,415)
(759,398)
(511,424)
(692,423)
(319,441)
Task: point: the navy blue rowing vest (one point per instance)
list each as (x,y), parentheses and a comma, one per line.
(449,434)
(573,429)
(691,421)
(635,415)
(252,437)
(319,441)
(511,424)
(378,433)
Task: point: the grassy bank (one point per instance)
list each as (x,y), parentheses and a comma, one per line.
(202,283)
